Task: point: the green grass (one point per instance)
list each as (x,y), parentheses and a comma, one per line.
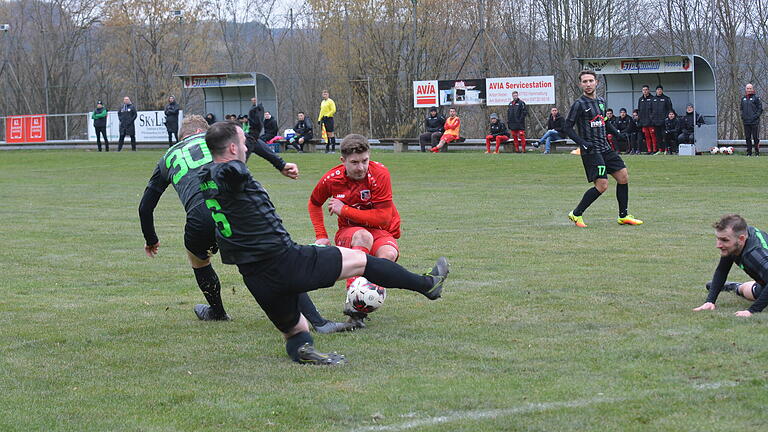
(542,326)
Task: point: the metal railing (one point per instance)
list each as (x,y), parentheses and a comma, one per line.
(60,128)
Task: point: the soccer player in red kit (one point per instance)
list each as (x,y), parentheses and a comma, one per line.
(360,193)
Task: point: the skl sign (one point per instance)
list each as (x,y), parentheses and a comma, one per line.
(425,94)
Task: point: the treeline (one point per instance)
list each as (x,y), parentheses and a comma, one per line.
(66,54)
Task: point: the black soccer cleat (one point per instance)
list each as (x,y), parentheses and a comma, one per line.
(204,313)
(353,313)
(334,327)
(727,286)
(308,355)
(438,274)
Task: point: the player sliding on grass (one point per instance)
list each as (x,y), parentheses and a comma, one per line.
(747,247)
(588,114)
(276,270)
(180,166)
(360,192)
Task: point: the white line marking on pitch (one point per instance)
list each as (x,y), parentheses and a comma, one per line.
(523,409)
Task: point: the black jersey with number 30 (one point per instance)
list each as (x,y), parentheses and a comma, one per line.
(588,116)
(180,166)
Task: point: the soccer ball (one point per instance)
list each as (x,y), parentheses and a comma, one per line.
(365,296)
(724,150)
(728,150)
(714,150)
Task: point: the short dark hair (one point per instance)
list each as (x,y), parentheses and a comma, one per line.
(635,111)
(354,143)
(623,110)
(191,124)
(609,109)
(659,87)
(587,72)
(646,86)
(732,221)
(300,112)
(220,135)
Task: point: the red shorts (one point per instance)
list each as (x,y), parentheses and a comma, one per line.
(380,238)
(447,138)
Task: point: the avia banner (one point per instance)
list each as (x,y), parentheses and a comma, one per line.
(534,90)
(25,129)
(149,125)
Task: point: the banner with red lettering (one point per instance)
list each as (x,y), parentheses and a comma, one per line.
(533,90)
(25,129)
(424,94)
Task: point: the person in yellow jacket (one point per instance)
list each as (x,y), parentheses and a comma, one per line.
(325,120)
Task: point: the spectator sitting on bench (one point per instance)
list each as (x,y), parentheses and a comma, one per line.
(687,124)
(452,126)
(610,118)
(243,121)
(671,131)
(498,132)
(621,123)
(303,130)
(270,128)
(433,125)
(555,124)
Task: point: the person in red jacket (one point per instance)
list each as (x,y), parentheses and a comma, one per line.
(452,126)
(360,192)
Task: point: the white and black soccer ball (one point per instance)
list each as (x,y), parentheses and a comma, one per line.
(729,150)
(723,150)
(365,296)
(714,150)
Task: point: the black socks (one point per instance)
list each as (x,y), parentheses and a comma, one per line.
(293,343)
(622,196)
(310,312)
(589,197)
(209,284)
(391,275)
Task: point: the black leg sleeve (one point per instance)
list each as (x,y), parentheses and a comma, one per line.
(310,312)
(209,284)
(392,275)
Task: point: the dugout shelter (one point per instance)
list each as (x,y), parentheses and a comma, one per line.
(231,93)
(686,78)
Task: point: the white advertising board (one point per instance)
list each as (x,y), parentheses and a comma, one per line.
(533,90)
(149,125)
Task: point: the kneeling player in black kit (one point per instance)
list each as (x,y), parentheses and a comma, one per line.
(276,270)
(180,166)
(747,247)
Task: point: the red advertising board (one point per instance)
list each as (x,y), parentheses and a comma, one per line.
(25,129)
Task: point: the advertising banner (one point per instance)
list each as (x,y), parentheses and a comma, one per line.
(534,90)
(25,129)
(149,125)
(462,92)
(229,80)
(640,65)
(424,94)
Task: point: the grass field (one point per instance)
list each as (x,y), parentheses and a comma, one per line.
(542,327)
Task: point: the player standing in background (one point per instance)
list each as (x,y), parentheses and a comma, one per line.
(276,270)
(325,119)
(360,192)
(180,166)
(747,247)
(588,114)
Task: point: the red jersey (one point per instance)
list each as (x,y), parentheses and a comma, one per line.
(372,195)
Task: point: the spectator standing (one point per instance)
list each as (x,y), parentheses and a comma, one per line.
(325,119)
(303,130)
(645,119)
(270,128)
(635,133)
(452,131)
(517,111)
(662,105)
(555,123)
(433,125)
(210,119)
(99,117)
(751,109)
(688,123)
(255,118)
(498,133)
(621,123)
(172,120)
(671,131)
(127,115)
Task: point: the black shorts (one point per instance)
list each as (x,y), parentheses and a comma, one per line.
(277,283)
(200,234)
(328,122)
(599,165)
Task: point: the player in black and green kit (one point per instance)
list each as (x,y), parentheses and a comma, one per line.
(180,166)
(276,270)
(747,247)
(588,114)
